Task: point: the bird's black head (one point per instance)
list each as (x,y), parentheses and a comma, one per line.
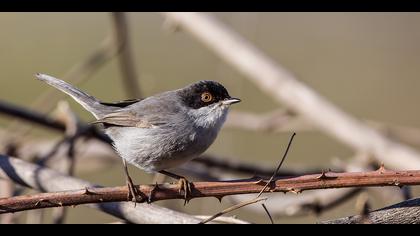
(204,93)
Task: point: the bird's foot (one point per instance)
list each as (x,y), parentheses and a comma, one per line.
(184,188)
(184,185)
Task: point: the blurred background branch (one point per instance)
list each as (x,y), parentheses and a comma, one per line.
(407,212)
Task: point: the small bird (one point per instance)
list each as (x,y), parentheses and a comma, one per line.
(161,131)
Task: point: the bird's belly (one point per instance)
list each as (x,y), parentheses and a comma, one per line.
(155,150)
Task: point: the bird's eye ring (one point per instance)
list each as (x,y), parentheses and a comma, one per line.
(206,97)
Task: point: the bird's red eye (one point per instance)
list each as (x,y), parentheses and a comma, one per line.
(206,97)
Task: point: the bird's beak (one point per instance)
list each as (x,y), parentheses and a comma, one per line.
(229,101)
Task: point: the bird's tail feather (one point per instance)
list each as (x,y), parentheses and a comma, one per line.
(90,103)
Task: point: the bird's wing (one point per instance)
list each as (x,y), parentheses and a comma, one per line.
(121,104)
(147,113)
(124,118)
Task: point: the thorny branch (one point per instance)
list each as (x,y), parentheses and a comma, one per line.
(380,177)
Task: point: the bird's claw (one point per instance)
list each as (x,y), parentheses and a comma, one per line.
(184,188)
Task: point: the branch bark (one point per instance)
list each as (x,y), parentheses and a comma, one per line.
(12,168)
(280,84)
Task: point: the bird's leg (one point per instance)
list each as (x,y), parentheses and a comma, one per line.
(132,191)
(184,184)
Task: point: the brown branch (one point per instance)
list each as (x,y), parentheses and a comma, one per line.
(381,177)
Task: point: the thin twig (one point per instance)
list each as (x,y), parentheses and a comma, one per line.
(278,167)
(223,219)
(268,213)
(232,208)
(254,200)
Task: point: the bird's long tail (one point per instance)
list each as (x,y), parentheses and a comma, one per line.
(90,103)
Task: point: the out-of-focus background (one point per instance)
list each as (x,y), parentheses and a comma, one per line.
(365,63)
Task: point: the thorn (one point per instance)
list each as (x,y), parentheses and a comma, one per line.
(87,192)
(398,184)
(323,176)
(381,168)
(295,191)
(259,181)
(219,198)
(39,202)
